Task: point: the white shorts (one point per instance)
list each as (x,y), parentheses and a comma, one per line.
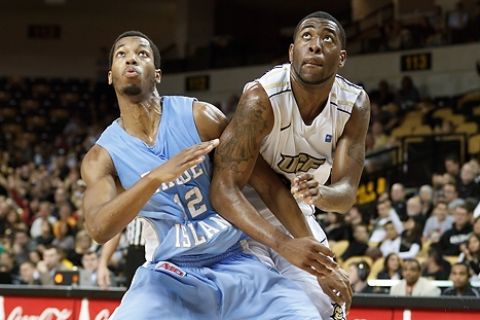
(328,309)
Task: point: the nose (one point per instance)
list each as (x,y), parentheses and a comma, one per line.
(131,59)
(315,45)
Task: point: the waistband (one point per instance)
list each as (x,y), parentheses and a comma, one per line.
(201,260)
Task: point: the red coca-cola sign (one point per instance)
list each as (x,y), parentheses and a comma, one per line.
(31,308)
(38,308)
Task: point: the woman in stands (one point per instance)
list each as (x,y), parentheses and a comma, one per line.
(392,268)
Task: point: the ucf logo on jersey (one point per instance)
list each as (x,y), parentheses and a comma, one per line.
(302,162)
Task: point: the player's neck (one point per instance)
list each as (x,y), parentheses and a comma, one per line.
(311,99)
(141,119)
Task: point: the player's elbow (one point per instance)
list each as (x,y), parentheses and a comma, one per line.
(96,232)
(348,203)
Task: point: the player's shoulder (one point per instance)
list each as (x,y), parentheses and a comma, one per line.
(96,163)
(209,120)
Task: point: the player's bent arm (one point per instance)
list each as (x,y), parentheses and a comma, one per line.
(235,160)
(278,199)
(107,213)
(348,161)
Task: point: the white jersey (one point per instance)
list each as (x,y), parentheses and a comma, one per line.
(294,147)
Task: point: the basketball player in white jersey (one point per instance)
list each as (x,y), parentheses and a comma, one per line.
(309,124)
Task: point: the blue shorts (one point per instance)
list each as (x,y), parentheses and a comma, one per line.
(237,287)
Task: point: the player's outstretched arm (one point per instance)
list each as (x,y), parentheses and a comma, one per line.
(235,159)
(347,165)
(106,212)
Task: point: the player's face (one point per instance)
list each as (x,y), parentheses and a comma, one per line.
(316,53)
(133,70)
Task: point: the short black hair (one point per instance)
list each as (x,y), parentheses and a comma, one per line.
(415,261)
(156,52)
(326,16)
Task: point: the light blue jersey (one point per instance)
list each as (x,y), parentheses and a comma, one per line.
(196,269)
(180,212)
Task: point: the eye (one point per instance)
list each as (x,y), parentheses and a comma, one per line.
(328,38)
(120,54)
(143,53)
(306,36)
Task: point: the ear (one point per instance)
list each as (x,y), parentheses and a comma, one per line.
(158,75)
(343,58)
(110,77)
(290,53)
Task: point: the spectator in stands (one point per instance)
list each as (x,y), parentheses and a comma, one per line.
(397,196)
(393,35)
(359,244)
(414,210)
(335,228)
(438,223)
(437,24)
(352,218)
(383,95)
(467,186)
(83,244)
(406,245)
(461,284)
(407,96)
(50,264)
(88,272)
(436,267)
(462,227)
(381,140)
(471,254)
(457,23)
(358,274)
(452,166)
(21,246)
(451,196)
(392,268)
(385,213)
(46,236)
(7,268)
(62,236)
(412,284)
(29,274)
(426,198)
(44,213)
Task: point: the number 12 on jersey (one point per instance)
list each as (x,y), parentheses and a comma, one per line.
(194,202)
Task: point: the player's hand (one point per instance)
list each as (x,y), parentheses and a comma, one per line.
(337,286)
(183,160)
(103,276)
(306,188)
(309,255)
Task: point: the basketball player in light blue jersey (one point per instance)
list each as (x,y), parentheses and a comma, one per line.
(152,163)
